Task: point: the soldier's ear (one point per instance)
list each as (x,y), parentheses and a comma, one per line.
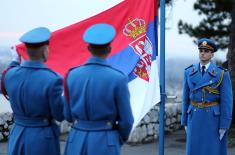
(89,48)
(45,54)
(109,48)
(212,54)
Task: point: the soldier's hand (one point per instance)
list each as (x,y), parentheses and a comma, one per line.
(221,133)
(15,56)
(185,128)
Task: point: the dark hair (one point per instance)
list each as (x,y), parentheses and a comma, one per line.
(35,52)
(99,50)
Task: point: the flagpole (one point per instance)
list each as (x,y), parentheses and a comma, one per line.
(162,76)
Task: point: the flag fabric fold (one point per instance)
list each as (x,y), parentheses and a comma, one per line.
(134,49)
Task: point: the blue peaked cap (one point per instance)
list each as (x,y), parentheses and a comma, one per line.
(206,43)
(36,36)
(99,34)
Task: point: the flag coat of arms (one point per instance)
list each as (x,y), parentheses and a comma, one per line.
(134,49)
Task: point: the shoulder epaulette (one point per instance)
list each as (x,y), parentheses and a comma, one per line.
(225,69)
(189,67)
(14,64)
(74,68)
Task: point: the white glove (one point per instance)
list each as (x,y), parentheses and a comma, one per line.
(15,56)
(185,128)
(221,133)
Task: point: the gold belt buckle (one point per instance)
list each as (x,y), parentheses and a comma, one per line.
(200,105)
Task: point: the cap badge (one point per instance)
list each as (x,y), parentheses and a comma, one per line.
(204,43)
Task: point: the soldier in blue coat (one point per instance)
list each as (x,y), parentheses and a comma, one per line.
(34,92)
(207,104)
(98,100)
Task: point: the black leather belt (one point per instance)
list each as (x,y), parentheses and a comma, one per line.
(93,125)
(32,121)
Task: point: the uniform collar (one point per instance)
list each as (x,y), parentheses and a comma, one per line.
(212,69)
(33,64)
(97,60)
(206,66)
(194,69)
(208,78)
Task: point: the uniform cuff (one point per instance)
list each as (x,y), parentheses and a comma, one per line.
(224,123)
(184,120)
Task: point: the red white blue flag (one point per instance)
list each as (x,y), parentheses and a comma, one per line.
(134,49)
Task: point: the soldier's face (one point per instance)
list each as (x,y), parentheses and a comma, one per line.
(205,54)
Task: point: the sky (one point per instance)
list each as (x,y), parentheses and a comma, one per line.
(17,17)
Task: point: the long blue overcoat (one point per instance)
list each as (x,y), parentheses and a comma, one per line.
(35,96)
(99,101)
(203,124)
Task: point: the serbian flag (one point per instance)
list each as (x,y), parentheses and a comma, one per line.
(134,49)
